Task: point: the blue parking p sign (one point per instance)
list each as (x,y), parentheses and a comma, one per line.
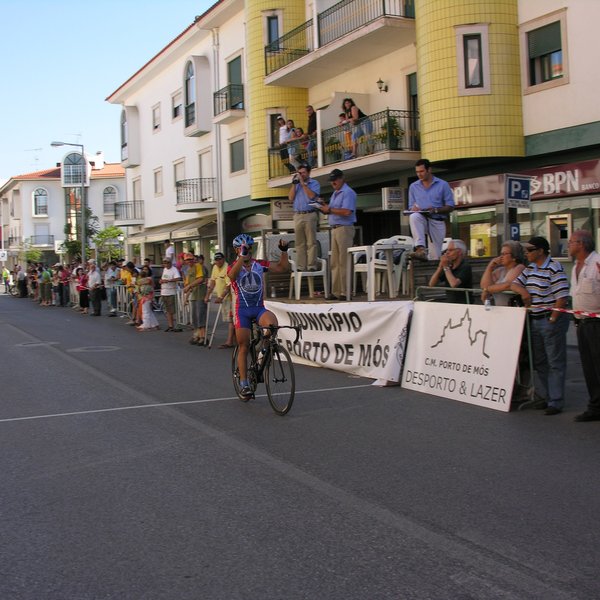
(517,191)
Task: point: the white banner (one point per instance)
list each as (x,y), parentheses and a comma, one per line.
(464,353)
(363,338)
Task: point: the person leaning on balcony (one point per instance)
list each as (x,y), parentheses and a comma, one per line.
(342,216)
(303,191)
(311,136)
(361,125)
(431,200)
(285,133)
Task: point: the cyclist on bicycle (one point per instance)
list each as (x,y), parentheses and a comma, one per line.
(248,287)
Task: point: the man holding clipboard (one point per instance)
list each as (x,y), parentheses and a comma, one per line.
(430,201)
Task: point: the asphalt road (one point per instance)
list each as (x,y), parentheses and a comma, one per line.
(130,471)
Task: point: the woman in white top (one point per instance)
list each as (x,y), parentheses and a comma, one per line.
(501,272)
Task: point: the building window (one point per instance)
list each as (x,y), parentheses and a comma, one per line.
(158,182)
(137,189)
(544,56)
(40,203)
(178,171)
(73,170)
(124,153)
(176,105)
(237,156)
(545,53)
(156,118)
(272,29)
(109,197)
(473,60)
(190,94)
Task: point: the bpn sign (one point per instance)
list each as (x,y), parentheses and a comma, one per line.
(517,191)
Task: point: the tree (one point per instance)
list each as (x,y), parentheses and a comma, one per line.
(107,243)
(73,246)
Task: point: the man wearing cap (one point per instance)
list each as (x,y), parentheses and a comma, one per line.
(219,284)
(543,286)
(303,191)
(585,289)
(342,216)
(431,201)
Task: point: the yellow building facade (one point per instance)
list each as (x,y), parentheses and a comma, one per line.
(458,123)
(262,98)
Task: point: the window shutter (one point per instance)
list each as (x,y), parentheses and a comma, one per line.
(544,40)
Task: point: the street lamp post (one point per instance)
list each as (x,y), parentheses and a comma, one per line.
(83,174)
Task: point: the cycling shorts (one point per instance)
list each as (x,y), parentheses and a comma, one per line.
(244,315)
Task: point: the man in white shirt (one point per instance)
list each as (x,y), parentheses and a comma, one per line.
(585,291)
(170,251)
(95,285)
(111,275)
(168,292)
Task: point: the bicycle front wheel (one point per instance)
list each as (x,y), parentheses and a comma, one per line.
(235,375)
(280,380)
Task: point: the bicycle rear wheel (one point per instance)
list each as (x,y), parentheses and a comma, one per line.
(280,380)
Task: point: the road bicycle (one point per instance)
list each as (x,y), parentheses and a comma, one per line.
(12,289)
(269,363)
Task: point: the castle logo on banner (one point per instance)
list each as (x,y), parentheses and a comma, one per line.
(464,352)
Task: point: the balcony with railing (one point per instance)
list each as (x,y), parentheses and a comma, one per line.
(129,213)
(382,142)
(229,103)
(42,240)
(15,240)
(350,33)
(195,194)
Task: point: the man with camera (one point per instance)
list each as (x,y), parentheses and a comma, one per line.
(303,192)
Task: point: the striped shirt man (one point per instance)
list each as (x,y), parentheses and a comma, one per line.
(546,283)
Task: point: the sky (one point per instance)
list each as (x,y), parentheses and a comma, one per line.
(59,60)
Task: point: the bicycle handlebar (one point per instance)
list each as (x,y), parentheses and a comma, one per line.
(275,328)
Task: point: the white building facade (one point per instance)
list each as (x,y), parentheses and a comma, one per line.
(38,207)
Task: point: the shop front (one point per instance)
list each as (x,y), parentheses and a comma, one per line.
(564,198)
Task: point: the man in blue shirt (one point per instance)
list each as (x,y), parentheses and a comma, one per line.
(431,201)
(303,191)
(342,216)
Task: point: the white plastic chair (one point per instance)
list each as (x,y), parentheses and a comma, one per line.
(406,244)
(362,268)
(296,276)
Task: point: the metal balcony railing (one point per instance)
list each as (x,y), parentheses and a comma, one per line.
(14,240)
(349,15)
(383,131)
(289,47)
(284,160)
(190,114)
(129,211)
(41,240)
(230,97)
(342,18)
(195,191)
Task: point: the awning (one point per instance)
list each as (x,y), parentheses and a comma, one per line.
(191,229)
(188,229)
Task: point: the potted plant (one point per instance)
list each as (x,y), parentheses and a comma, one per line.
(392,133)
(333,150)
